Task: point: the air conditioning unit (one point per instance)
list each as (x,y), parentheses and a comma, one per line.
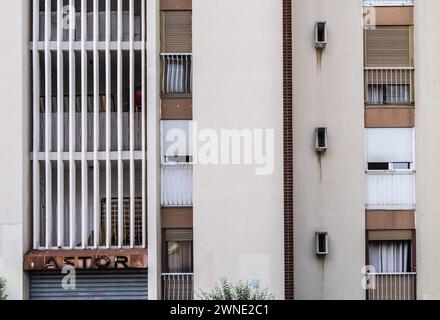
(320,34)
(321,243)
(321,139)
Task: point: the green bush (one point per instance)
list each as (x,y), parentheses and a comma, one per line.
(239,291)
(3,294)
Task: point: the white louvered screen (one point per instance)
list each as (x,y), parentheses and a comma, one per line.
(89,123)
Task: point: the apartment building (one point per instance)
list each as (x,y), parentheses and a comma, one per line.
(359,196)
(102,178)
(115,168)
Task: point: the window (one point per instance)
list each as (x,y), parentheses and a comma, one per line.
(390,148)
(176,137)
(390,256)
(385,166)
(126,222)
(378,166)
(179,250)
(388,94)
(176,31)
(176,48)
(401,165)
(177,74)
(388,46)
(176,163)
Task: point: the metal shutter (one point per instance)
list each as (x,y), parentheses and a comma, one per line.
(388,46)
(91,285)
(179,234)
(176,31)
(389,235)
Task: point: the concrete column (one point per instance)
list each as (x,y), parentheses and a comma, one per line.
(153,156)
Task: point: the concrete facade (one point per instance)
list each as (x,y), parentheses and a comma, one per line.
(238,84)
(427,154)
(15,188)
(238,216)
(328,189)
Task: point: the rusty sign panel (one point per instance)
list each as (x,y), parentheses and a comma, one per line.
(86,259)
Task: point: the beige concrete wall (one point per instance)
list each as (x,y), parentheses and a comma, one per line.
(238,216)
(329,192)
(14,161)
(153,154)
(427,89)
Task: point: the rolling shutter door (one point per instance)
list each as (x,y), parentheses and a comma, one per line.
(388,47)
(91,285)
(176,31)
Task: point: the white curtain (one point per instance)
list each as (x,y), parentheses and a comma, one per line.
(397,93)
(389,256)
(393,93)
(375,94)
(178,73)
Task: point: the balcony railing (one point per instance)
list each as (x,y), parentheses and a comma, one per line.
(389,86)
(388,2)
(177,286)
(177,185)
(176,74)
(392,286)
(390,190)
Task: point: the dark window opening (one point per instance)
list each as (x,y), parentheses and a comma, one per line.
(321,134)
(378,166)
(320,30)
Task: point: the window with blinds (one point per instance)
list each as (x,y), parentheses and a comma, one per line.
(176,31)
(176,49)
(389,71)
(388,46)
(89,123)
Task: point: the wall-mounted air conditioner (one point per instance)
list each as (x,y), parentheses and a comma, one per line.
(321,243)
(321,144)
(320,34)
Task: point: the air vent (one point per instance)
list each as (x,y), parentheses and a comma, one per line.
(321,243)
(320,34)
(321,139)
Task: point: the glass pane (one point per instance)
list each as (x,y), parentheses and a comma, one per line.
(179,256)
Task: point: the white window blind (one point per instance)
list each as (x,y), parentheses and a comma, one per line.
(390,144)
(176,138)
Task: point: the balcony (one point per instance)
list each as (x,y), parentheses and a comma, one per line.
(176,75)
(177,286)
(390,190)
(392,286)
(177,185)
(389,86)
